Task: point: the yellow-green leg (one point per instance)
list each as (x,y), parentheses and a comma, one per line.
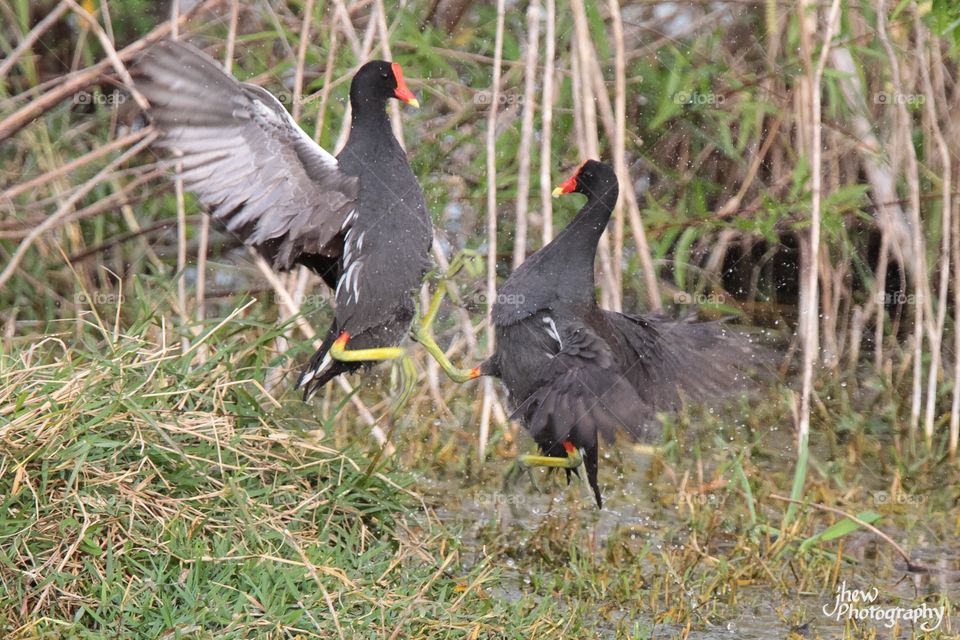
(572,460)
(524,465)
(340,352)
(422,335)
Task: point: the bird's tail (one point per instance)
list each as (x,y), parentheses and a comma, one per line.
(322,368)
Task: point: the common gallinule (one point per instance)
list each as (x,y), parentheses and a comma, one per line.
(574,370)
(357,219)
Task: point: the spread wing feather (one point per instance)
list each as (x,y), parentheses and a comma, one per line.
(666,359)
(246,159)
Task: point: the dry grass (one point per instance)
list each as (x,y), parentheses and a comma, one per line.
(148,493)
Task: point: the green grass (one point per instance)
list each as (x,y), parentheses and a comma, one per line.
(148,493)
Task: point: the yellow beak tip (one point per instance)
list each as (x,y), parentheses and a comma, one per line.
(413,102)
(558,192)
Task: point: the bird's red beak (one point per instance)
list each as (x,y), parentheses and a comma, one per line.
(567,187)
(402,92)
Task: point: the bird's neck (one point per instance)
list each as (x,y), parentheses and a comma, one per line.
(371,136)
(591,220)
(579,239)
(574,250)
(370,114)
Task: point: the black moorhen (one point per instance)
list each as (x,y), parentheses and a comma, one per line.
(358,219)
(574,370)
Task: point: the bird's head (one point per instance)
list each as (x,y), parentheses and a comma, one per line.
(379,79)
(593,179)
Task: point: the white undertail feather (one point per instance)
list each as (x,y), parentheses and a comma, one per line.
(313,373)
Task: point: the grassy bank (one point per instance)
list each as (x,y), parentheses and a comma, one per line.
(151,492)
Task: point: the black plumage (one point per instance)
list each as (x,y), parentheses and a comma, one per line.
(574,370)
(358,219)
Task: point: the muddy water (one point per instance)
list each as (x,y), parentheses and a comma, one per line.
(633,509)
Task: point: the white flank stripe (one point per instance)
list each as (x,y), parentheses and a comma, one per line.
(344,278)
(552,330)
(347,249)
(356,283)
(350,217)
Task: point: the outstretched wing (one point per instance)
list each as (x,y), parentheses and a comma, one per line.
(247,160)
(665,359)
(581,393)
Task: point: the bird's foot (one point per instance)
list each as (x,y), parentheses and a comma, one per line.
(454,373)
(421,333)
(406,375)
(516,470)
(464,258)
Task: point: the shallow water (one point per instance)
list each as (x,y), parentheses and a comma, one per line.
(634,510)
